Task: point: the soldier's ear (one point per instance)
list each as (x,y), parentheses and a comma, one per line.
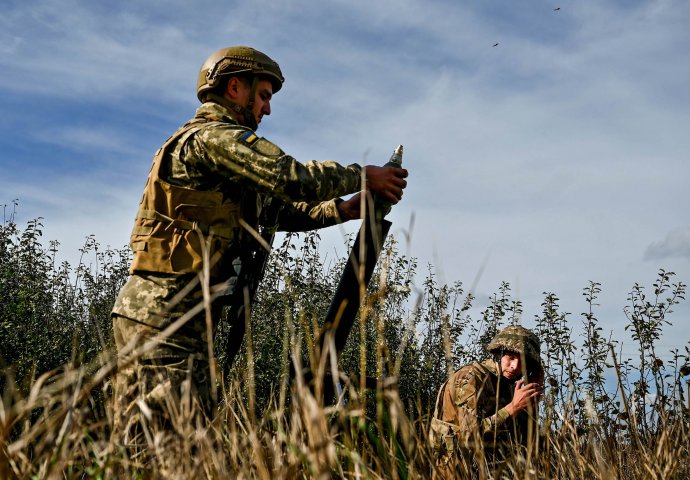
(233,88)
(237,89)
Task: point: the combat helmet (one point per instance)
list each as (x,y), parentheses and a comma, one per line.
(233,61)
(517,339)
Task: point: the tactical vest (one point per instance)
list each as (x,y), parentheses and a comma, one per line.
(175,225)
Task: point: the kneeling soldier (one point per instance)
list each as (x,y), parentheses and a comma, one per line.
(487,408)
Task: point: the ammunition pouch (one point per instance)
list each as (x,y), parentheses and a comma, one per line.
(443,438)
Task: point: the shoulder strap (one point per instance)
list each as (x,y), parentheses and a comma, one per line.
(184,132)
(439,399)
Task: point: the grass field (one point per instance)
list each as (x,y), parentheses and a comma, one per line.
(56,414)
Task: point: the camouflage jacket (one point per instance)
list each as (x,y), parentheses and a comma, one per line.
(251,173)
(470,411)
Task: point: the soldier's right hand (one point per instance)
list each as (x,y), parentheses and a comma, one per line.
(388,182)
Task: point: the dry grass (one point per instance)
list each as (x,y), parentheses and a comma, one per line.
(61,430)
(60,426)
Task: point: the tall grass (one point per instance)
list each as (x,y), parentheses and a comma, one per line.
(603,416)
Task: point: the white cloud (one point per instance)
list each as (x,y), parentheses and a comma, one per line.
(85,138)
(560,154)
(676,244)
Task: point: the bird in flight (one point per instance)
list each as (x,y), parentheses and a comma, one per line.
(556,9)
(495,45)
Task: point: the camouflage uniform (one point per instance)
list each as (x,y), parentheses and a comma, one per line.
(470,426)
(257,186)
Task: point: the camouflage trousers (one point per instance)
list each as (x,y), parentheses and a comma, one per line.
(165,391)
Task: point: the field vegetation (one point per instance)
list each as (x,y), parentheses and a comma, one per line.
(603,415)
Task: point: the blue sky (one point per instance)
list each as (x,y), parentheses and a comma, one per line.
(557,157)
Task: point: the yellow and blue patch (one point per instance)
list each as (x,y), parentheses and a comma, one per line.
(248,137)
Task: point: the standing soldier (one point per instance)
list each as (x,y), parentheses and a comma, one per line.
(488,409)
(213,189)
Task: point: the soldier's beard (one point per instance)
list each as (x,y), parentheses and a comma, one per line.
(250,120)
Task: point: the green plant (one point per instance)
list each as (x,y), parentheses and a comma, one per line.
(55,412)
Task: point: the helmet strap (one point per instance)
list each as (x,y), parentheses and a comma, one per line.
(249,119)
(246,112)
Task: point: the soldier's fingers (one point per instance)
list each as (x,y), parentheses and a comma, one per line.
(396,192)
(397,172)
(393,197)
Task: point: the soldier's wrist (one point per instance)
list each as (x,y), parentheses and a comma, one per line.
(345,210)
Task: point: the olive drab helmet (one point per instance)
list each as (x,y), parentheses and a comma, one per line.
(517,339)
(233,61)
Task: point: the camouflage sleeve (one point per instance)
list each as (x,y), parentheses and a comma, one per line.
(303,216)
(473,407)
(238,154)
(495,422)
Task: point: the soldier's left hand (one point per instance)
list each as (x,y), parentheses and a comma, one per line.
(351,208)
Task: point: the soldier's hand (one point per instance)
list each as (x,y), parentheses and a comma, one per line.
(351,208)
(388,182)
(524,396)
